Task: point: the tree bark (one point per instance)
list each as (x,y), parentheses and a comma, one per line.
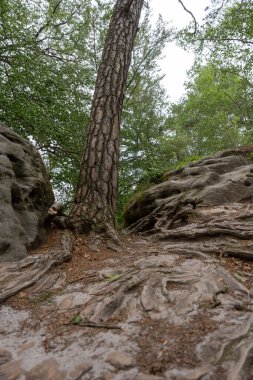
(96,195)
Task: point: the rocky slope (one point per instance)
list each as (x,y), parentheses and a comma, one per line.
(172,305)
(207,204)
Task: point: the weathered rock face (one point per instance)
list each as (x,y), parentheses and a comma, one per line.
(203,207)
(25,196)
(225,178)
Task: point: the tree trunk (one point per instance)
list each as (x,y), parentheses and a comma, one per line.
(96,194)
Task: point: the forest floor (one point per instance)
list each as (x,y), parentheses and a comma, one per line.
(142,313)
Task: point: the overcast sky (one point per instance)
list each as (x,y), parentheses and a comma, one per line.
(177,61)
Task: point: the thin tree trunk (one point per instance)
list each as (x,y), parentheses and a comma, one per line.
(96,194)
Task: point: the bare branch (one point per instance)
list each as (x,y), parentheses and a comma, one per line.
(192,15)
(139,69)
(48,22)
(56,7)
(231,71)
(227,39)
(94,44)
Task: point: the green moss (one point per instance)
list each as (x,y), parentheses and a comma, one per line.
(41,297)
(188,161)
(250,156)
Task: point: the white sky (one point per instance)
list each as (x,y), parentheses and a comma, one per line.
(177,61)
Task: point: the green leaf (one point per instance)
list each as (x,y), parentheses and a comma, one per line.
(76,320)
(113,277)
(240,278)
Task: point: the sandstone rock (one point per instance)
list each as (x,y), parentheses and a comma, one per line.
(205,201)
(46,370)
(25,196)
(80,370)
(5,356)
(223,178)
(10,370)
(66,303)
(34,269)
(120,360)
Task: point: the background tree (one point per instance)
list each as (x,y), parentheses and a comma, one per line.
(226,40)
(226,37)
(216,111)
(208,118)
(144,110)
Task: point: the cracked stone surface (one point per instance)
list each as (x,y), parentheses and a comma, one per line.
(132,319)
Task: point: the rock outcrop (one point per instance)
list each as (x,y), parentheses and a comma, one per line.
(207,204)
(25,196)
(222,179)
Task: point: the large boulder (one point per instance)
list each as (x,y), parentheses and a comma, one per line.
(25,196)
(207,197)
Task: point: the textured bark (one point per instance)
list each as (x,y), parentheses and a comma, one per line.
(95,201)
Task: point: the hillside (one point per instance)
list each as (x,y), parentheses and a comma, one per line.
(174,303)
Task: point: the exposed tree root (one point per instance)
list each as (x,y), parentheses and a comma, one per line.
(15,276)
(206,206)
(222,229)
(109,238)
(159,287)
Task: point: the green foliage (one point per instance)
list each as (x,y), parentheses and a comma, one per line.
(50,52)
(208,119)
(250,156)
(227,34)
(225,37)
(216,112)
(187,161)
(144,111)
(48,55)
(41,297)
(76,320)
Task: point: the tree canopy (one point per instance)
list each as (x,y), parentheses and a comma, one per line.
(50,53)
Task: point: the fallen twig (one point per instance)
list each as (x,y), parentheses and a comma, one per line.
(95,325)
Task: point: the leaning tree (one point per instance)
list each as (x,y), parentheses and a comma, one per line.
(95,200)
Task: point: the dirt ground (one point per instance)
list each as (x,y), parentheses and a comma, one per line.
(84,258)
(145,347)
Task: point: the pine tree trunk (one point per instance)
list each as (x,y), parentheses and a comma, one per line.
(96,194)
